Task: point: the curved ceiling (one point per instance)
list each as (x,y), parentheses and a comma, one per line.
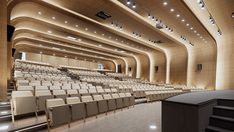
(72,25)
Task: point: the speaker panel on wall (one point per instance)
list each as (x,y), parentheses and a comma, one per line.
(199,67)
(13,52)
(156,68)
(130,69)
(10,31)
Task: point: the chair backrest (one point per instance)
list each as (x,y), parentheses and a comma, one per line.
(16,94)
(55,87)
(58,92)
(115,96)
(72,91)
(114,90)
(107,96)
(83,91)
(73,100)
(42,93)
(107,90)
(92,91)
(66,87)
(25,88)
(86,98)
(54,102)
(97,97)
(122,95)
(128,94)
(41,88)
(100,91)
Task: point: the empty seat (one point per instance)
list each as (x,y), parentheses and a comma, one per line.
(91,105)
(22,83)
(41,97)
(111,102)
(83,92)
(55,87)
(78,110)
(59,94)
(76,86)
(114,90)
(107,90)
(102,104)
(126,100)
(22,102)
(92,91)
(131,99)
(57,112)
(66,87)
(100,91)
(41,88)
(119,101)
(25,88)
(72,92)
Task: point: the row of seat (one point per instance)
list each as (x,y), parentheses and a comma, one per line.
(161,95)
(23,102)
(60,112)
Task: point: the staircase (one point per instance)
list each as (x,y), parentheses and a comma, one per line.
(222,119)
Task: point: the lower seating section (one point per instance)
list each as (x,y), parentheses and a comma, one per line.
(74,108)
(79,93)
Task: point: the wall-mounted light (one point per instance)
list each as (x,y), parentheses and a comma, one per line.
(212,21)
(201,4)
(232,14)
(219,32)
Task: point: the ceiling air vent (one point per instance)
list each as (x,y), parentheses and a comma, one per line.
(103,15)
(159,42)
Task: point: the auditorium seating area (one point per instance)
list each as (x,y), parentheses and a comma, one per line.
(41,87)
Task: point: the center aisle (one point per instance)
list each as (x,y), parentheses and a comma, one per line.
(144,117)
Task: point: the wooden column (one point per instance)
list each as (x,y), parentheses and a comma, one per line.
(3,49)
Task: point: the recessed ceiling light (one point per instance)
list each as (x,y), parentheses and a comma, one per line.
(149,16)
(182,20)
(232,14)
(134,5)
(4,127)
(86,29)
(49,31)
(100,45)
(128,2)
(103,34)
(77,25)
(4,112)
(109,37)
(95,32)
(178,15)
(41,52)
(187,24)
(198,34)
(201,37)
(172,10)
(153,127)
(164,3)
(191,28)
(53,18)
(195,31)
(39,13)
(69,37)
(79,39)
(65,22)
